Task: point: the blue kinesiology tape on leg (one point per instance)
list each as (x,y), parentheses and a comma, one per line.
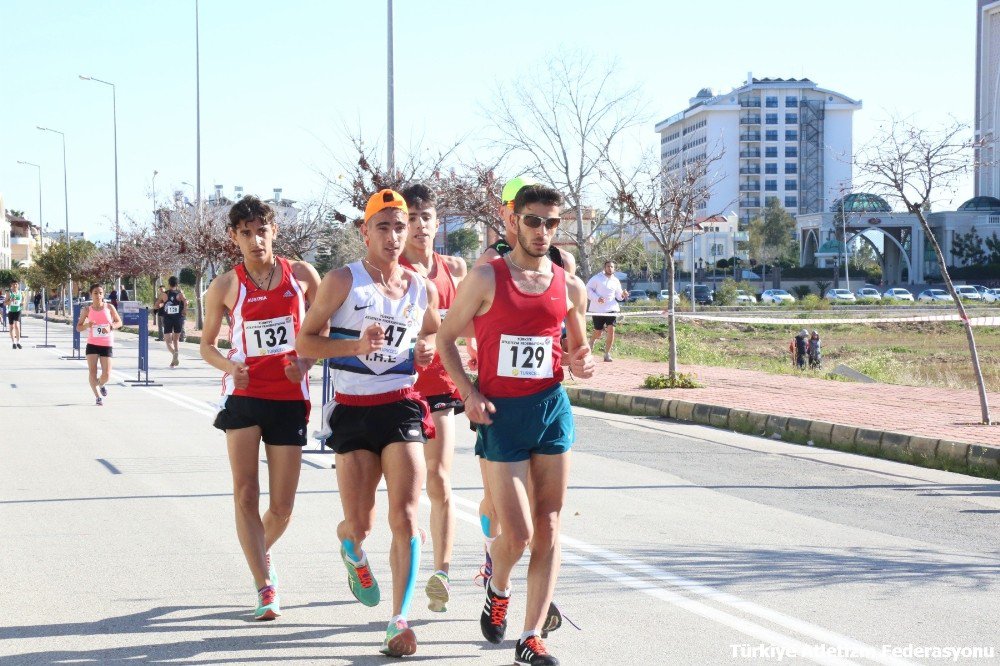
(484,522)
(411,579)
(349,547)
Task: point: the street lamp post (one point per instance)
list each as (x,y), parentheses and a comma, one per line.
(114,118)
(40,224)
(69,253)
(390,111)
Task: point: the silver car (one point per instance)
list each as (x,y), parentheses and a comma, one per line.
(934,296)
(897,294)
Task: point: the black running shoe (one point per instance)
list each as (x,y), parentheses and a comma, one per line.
(493,621)
(104,392)
(532,652)
(19,346)
(553,620)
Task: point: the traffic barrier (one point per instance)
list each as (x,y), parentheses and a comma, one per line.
(326,391)
(45,315)
(141,318)
(76,355)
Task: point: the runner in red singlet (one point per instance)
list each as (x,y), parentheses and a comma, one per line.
(435,385)
(265,386)
(517,304)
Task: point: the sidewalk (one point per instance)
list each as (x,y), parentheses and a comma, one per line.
(927,420)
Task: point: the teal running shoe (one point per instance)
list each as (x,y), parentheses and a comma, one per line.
(272,573)
(363,585)
(268,607)
(399,640)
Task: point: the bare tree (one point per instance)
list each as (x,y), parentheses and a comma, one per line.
(563,121)
(666,202)
(914,166)
(202,244)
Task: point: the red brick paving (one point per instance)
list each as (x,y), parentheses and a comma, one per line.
(951,414)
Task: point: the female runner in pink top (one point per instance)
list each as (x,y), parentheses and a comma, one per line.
(98,320)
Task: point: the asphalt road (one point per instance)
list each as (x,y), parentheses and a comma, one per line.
(682,544)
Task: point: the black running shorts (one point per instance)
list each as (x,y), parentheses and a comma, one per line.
(173,324)
(374,428)
(445,401)
(13,316)
(601,321)
(100,350)
(281,422)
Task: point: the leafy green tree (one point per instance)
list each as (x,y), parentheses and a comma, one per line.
(968,248)
(772,237)
(463,242)
(9,276)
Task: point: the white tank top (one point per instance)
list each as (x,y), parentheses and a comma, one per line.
(390,368)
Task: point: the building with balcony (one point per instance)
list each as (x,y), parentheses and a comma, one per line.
(5,261)
(783,138)
(987,114)
(25,240)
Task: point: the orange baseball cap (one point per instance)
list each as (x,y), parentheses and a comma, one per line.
(384,199)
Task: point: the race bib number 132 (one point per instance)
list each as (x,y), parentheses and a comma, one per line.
(270,336)
(525,356)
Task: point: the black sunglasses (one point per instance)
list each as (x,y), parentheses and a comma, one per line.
(534,221)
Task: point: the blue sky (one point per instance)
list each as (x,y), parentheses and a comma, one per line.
(280,81)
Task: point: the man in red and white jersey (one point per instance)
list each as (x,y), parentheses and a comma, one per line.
(382,320)
(265,386)
(517,304)
(435,385)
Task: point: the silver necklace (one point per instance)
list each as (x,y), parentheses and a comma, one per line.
(381,275)
(515,265)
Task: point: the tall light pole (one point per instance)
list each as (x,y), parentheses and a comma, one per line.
(42,226)
(114,118)
(391,122)
(197,115)
(69,253)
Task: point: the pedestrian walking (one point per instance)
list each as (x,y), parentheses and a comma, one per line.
(815,350)
(801,343)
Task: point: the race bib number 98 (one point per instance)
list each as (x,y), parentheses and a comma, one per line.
(102,331)
(267,337)
(525,357)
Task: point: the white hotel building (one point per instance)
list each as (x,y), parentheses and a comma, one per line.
(987,119)
(784,138)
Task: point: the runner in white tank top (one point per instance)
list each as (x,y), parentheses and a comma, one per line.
(383,320)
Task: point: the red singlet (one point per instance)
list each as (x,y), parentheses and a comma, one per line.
(265,325)
(434,380)
(518,337)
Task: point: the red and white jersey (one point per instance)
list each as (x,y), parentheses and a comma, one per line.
(518,337)
(265,325)
(434,379)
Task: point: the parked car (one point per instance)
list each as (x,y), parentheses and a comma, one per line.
(897,294)
(840,295)
(868,292)
(703,294)
(743,298)
(991,295)
(935,295)
(968,293)
(665,293)
(982,289)
(776,296)
(638,297)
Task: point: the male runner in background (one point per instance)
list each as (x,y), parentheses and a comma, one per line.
(172,304)
(605,292)
(434,384)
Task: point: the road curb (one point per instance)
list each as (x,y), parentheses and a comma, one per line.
(975,459)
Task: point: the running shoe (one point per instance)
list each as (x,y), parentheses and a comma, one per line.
(437,592)
(19,346)
(267,604)
(174,361)
(13,345)
(100,403)
(493,620)
(104,392)
(607,357)
(531,652)
(399,640)
(486,570)
(363,585)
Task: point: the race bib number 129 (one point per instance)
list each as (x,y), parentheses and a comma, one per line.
(525,356)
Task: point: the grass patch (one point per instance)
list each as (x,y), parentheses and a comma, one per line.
(680,380)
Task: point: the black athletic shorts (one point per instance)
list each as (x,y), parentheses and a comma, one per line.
(173,324)
(445,401)
(100,350)
(601,321)
(374,428)
(13,316)
(280,421)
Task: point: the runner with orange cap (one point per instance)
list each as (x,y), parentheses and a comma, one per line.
(382,320)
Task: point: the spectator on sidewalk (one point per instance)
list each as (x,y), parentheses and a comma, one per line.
(158,312)
(605,292)
(801,344)
(815,350)
(38,301)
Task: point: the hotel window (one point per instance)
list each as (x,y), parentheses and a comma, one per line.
(791,151)
(791,202)
(770,135)
(771,119)
(791,135)
(791,185)
(771,167)
(791,167)
(791,101)
(791,119)
(770,186)
(770,151)
(771,102)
